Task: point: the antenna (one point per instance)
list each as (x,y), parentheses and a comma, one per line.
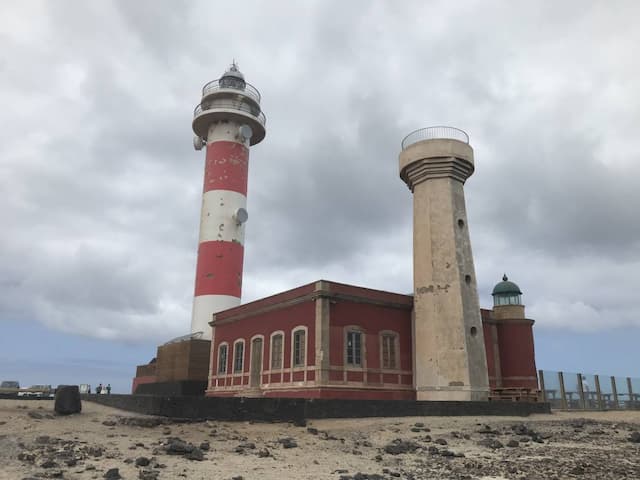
(241,216)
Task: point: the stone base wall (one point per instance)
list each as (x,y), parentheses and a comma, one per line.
(297,409)
(173,389)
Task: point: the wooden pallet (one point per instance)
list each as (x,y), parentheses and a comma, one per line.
(515,394)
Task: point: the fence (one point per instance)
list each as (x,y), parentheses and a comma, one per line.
(582,391)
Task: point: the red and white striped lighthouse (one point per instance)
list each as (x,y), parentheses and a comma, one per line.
(228,121)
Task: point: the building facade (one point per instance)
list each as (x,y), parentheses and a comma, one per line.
(331,340)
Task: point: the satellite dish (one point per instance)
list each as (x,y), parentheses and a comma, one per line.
(197,142)
(241,216)
(245,132)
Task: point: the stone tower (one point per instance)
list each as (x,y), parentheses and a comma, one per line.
(449,353)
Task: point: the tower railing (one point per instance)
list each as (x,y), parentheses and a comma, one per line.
(248,90)
(432,133)
(232,106)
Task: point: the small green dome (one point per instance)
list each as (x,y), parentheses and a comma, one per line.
(506,287)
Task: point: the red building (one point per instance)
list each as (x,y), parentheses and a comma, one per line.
(330,340)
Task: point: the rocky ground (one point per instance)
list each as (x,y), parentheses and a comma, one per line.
(102,442)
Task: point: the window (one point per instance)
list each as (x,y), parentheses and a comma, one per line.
(389,350)
(238,357)
(276,352)
(298,348)
(354,348)
(222,358)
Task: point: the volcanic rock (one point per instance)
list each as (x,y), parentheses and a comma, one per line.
(491,443)
(399,446)
(67,400)
(112,474)
(634,437)
(287,442)
(195,454)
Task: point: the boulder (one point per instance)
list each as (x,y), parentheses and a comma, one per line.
(112,474)
(67,400)
(634,437)
(287,442)
(398,447)
(490,443)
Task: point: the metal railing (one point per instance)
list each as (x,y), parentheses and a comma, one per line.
(256,112)
(580,391)
(432,133)
(183,338)
(249,90)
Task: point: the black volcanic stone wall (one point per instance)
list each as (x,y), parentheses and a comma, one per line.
(173,389)
(298,409)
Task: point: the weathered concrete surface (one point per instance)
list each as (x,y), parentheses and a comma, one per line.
(449,354)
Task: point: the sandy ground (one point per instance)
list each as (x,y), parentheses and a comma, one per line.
(589,445)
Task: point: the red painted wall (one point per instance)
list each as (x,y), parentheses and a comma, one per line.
(251,307)
(341,288)
(372,319)
(517,354)
(301,314)
(226,167)
(347,394)
(140,380)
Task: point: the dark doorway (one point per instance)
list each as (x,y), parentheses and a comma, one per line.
(256,362)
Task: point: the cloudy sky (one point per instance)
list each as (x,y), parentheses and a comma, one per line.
(101,188)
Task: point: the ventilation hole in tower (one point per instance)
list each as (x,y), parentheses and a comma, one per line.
(467,279)
(473,331)
(461,223)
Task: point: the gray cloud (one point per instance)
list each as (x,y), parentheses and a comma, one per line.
(102,189)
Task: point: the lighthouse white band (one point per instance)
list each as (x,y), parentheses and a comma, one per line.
(227,131)
(217,221)
(204,306)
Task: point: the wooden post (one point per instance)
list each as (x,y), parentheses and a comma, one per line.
(541,380)
(598,392)
(562,392)
(581,391)
(630,388)
(615,392)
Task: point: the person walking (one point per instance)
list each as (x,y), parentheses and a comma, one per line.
(99,389)
(108,389)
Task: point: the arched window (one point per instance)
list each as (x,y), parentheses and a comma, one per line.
(389,349)
(238,356)
(354,347)
(223,352)
(277,348)
(299,347)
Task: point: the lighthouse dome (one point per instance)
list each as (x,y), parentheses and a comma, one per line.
(506,293)
(233,78)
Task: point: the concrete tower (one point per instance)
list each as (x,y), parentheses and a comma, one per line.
(448,345)
(228,121)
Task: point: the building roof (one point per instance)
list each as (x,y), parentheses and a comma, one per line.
(505,287)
